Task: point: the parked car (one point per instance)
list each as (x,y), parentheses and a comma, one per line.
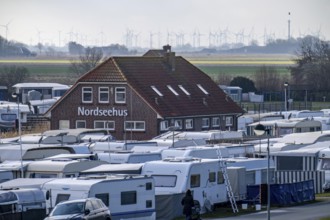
(84,209)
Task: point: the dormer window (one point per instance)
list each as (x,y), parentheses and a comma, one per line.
(172,90)
(202,89)
(156,90)
(184,90)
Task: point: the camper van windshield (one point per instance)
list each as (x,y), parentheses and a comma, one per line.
(8,117)
(164,180)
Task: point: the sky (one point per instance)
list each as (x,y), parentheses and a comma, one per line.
(154,23)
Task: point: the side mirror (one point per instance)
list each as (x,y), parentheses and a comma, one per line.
(87,211)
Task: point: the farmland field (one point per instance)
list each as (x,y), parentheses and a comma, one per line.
(58,69)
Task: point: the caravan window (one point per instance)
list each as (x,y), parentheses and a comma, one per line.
(62,197)
(221,180)
(212,177)
(43,175)
(195,180)
(128,197)
(8,117)
(164,181)
(104,197)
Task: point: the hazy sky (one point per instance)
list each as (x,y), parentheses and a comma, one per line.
(157,22)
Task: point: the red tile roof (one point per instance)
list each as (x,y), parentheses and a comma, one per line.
(143,72)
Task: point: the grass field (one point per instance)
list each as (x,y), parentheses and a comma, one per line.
(58,69)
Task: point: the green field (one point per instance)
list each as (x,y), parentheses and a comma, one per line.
(58,70)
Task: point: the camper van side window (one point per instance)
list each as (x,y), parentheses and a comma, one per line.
(148,203)
(62,197)
(104,197)
(212,177)
(221,180)
(128,197)
(149,186)
(195,180)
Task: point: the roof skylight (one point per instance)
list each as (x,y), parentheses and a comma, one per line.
(201,88)
(156,90)
(184,90)
(172,90)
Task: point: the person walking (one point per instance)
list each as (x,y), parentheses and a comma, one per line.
(187,202)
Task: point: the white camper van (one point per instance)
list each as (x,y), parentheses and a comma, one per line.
(128,197)
(176,175)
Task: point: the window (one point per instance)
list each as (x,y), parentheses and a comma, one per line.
(221,180)
(104,197)
(184,90)
(164,125)
(156,90)
(120,95)
(80,124)
(178,123)
(110,125)
(149,186)
(216,122)
(189,124)
(212,177)
(164,180)
(195,180)
(61,198)
(205,122)
(87,94)
(289,163)
(135,126)
(64,124)
(128,197)
(202,89)
(103,94)
(229,120)
(148,203)
(172,90)
(8,117)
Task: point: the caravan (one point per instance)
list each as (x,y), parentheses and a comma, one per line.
(128,197)
(174,176)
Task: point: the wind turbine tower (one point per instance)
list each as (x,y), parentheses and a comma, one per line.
(289,27)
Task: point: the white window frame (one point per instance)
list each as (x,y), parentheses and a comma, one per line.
(84,92)
(64,124)
(205,122)
(80,121)
(105,124)
(104,92)
(229,120)
(178,123)
(216,122)
(135,126)
(189,123)
(117,93)
(164,125)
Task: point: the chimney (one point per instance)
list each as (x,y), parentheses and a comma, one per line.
(169,57)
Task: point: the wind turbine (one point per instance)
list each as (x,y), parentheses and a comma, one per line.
(7,29)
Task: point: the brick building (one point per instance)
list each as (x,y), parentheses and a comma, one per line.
(140,97)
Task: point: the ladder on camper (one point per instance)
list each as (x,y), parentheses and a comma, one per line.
(230,194)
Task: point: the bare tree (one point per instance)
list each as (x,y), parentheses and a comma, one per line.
(266,78)
(223,79)
(11,75)
(313,64)
(89,60)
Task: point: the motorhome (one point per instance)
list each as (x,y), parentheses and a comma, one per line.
(324,165)
(128,197)
(9,113)
(22,204)
(173,176)
(60,168)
